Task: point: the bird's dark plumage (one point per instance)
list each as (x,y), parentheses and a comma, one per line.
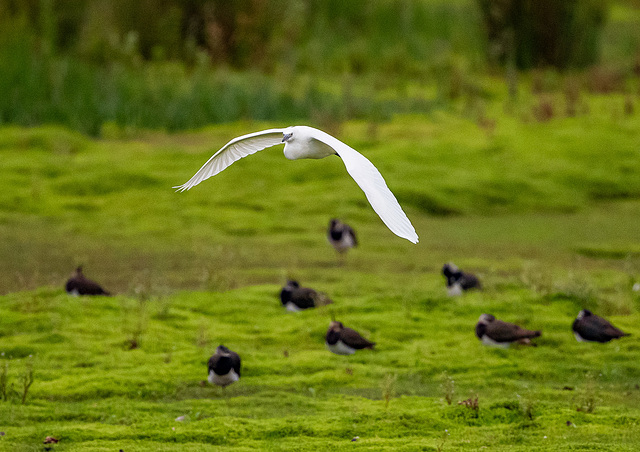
(588,327)
(497,333)
(224,367)
(345,341)
(459,281)
(296,298)
(341,236)
(78,284)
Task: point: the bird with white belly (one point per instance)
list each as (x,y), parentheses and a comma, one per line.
(302,142)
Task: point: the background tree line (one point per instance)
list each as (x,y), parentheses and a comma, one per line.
(152,63)
(259,33)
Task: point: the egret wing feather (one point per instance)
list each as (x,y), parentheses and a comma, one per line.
(232,151)
(367,176)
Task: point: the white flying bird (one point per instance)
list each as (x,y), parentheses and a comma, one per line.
(306,142)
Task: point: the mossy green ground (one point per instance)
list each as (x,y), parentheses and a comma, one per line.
(546,214)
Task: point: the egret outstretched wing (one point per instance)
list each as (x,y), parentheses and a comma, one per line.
(234,150)
(374,186)
(299,143)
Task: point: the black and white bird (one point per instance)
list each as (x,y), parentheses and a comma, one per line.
(224,367)
(295,298)
(306,142)
(341,236)
(588,327)
(345,341)
(78,284)
(496,333)
(459,281)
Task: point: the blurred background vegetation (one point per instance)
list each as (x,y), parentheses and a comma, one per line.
(104,67)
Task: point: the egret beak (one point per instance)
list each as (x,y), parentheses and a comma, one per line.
(287,136)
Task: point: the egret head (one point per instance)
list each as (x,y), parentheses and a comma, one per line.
(287,134)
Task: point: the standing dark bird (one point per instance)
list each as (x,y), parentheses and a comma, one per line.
(459,281)
(345,341)
(296,298)
(496,333)
(78,284)
(341,236)
(588,327)
(224,367)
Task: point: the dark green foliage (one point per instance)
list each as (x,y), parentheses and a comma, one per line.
(113,67)
(538,33)
(164,64)
(359,36)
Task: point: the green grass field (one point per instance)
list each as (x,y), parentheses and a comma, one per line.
(546,213)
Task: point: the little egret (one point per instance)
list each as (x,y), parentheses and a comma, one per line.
(306,142)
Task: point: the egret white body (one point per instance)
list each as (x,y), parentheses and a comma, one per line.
(302,142)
